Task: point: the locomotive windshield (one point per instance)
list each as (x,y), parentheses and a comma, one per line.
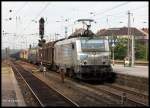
(94,44)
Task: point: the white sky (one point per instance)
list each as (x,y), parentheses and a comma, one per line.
(25,12)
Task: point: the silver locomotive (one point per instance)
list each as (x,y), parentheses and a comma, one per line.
(84,57)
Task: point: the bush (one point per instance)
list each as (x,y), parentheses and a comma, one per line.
(140,51)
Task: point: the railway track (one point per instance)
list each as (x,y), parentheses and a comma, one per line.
(142,96)
(128,99)
(90,98)
(117,94)
(45,95)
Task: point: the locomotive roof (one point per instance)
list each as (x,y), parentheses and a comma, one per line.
(81,33)
(78,33)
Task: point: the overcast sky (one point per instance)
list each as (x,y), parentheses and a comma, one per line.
(25,15)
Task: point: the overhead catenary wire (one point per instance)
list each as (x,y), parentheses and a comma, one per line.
(15,17)
(117,6)
(110,9)
(23,6)
(119,13)
(116,14)
(42,10)
(37,15)
(135,9)
(19,10)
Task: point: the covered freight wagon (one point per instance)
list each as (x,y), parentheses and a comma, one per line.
(24,54)
(33,55)
(46,54)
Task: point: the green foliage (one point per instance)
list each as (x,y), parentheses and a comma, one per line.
(120,49)
(140,51)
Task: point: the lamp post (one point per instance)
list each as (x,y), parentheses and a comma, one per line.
(113,44)
(113,54)
(146,44)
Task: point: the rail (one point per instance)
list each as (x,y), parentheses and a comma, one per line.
(28,86)
(129,100)
(116,95)
(64,101)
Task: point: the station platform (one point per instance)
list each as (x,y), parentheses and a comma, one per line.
(140,71)
(11,93)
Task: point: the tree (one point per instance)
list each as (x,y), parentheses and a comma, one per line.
(140,51)
(120,49)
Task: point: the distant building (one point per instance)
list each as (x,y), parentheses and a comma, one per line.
(141,35)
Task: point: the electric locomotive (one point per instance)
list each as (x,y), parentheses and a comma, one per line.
(85,57)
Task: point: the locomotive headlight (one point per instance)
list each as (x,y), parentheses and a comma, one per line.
(85,62)
(92,55)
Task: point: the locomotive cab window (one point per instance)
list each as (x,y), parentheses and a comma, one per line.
(92,44)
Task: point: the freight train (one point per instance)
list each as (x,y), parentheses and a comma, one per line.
(82,55)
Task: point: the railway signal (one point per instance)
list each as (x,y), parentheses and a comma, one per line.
(41,27)
(41,42)
(41,32)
